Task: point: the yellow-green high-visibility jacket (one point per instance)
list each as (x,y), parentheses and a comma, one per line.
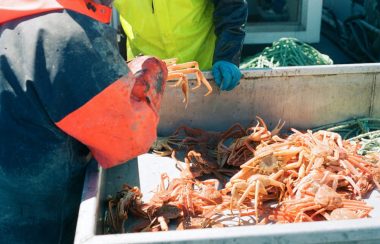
(201,30)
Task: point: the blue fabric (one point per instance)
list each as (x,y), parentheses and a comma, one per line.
(227,75)
(230,17)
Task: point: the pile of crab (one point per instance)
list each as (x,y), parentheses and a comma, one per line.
(298,177)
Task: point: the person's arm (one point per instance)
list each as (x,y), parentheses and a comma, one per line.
(230,17)
(120,122)
(89,92)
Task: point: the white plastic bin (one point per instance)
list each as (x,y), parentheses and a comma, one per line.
(305,97)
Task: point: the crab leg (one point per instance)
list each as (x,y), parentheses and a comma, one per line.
(170,61)
(200,78)
(182,80)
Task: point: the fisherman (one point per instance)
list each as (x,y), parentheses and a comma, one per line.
(209,32)
(65,93)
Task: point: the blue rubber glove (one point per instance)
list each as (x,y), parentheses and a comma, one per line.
(227,75)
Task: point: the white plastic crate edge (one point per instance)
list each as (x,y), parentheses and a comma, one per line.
(335,69)
(290,71)
(87,215)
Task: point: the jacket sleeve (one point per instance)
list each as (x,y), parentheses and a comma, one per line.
(120,122)
(88,91)
(230,17)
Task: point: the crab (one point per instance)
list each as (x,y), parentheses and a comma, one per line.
(129,199)
(162,215)
(256,184)
(201,165)
(245,141)
(197,223)
(321,201)
(179,71)
(164,146)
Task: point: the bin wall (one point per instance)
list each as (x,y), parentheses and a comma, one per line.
(304,97)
